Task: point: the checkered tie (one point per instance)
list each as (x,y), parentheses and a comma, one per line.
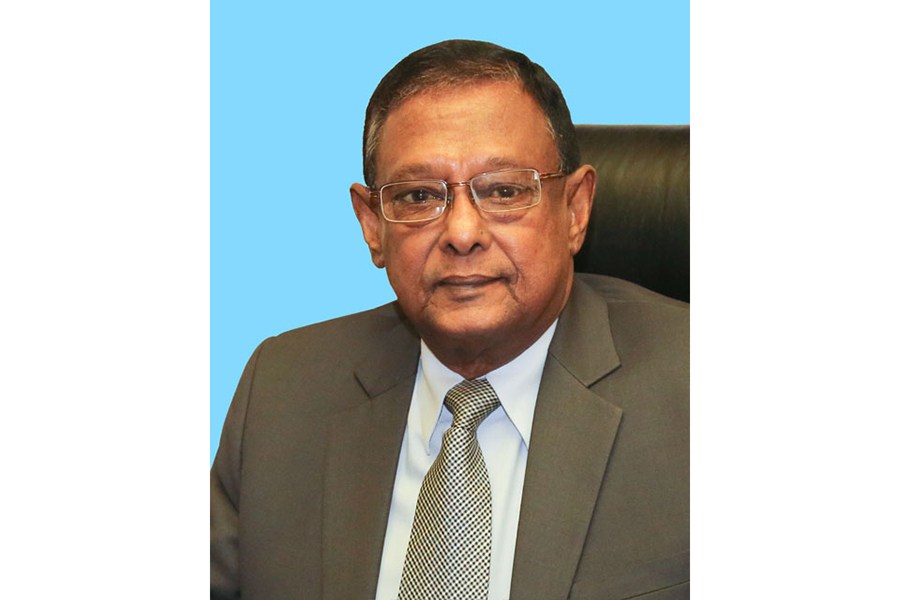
(449,552)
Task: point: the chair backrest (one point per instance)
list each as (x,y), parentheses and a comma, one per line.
(640,223)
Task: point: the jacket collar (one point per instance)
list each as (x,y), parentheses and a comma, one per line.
(393,358)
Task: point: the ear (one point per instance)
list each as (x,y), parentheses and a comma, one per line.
(579,200)
(369,218)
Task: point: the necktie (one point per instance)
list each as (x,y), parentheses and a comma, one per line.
(449,552)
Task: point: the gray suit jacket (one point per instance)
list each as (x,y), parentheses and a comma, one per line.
(302,482)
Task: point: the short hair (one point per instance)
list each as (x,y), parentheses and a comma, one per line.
(454,62)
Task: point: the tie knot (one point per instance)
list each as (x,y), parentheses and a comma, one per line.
(471,401)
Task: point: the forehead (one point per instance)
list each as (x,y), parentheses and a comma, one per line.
(459,131)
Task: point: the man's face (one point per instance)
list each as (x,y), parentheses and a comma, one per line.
(469,277)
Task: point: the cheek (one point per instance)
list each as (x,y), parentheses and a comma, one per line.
(539,252)
(405,262)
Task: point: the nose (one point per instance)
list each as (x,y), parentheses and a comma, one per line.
(465,229)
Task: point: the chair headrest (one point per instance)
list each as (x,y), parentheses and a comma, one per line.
(640,221)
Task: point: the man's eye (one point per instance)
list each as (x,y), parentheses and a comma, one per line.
(504,191)
(417,196)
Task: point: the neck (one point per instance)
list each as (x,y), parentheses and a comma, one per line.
(471,363)
(473,358)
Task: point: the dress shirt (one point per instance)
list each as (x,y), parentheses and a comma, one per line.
(503,436)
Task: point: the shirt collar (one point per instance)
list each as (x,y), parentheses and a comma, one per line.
(516,384)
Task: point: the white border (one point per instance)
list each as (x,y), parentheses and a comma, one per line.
(104,234)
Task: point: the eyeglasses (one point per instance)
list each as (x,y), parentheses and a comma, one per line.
(494,192)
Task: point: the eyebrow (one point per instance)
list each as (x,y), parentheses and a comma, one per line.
(426,170)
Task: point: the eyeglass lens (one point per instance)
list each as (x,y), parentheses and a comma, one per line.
(499,191)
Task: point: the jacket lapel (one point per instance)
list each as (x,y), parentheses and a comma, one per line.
(571,441)
(360,464)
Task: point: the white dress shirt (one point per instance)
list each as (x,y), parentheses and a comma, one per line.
(503,437)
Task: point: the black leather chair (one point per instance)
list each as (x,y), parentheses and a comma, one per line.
(640,224)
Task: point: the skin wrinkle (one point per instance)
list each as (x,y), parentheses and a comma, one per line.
(422,172)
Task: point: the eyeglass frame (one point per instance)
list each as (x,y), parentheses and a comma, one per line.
(375,194)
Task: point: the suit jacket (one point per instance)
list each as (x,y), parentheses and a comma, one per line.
(301,485)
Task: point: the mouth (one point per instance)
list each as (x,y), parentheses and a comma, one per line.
(466,281)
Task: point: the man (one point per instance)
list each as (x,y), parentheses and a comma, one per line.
(339,474)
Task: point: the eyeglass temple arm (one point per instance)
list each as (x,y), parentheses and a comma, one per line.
(552,175)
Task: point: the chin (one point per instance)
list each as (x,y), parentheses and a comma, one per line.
(477,324)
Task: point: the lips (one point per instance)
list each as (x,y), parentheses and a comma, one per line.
(467,280)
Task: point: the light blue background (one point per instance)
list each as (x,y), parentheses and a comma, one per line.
(289,88)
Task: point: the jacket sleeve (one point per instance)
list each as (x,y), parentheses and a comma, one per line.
(225,493)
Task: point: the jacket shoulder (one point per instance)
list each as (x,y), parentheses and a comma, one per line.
(638,316)
(335,341)
(373,320)
(616,290)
